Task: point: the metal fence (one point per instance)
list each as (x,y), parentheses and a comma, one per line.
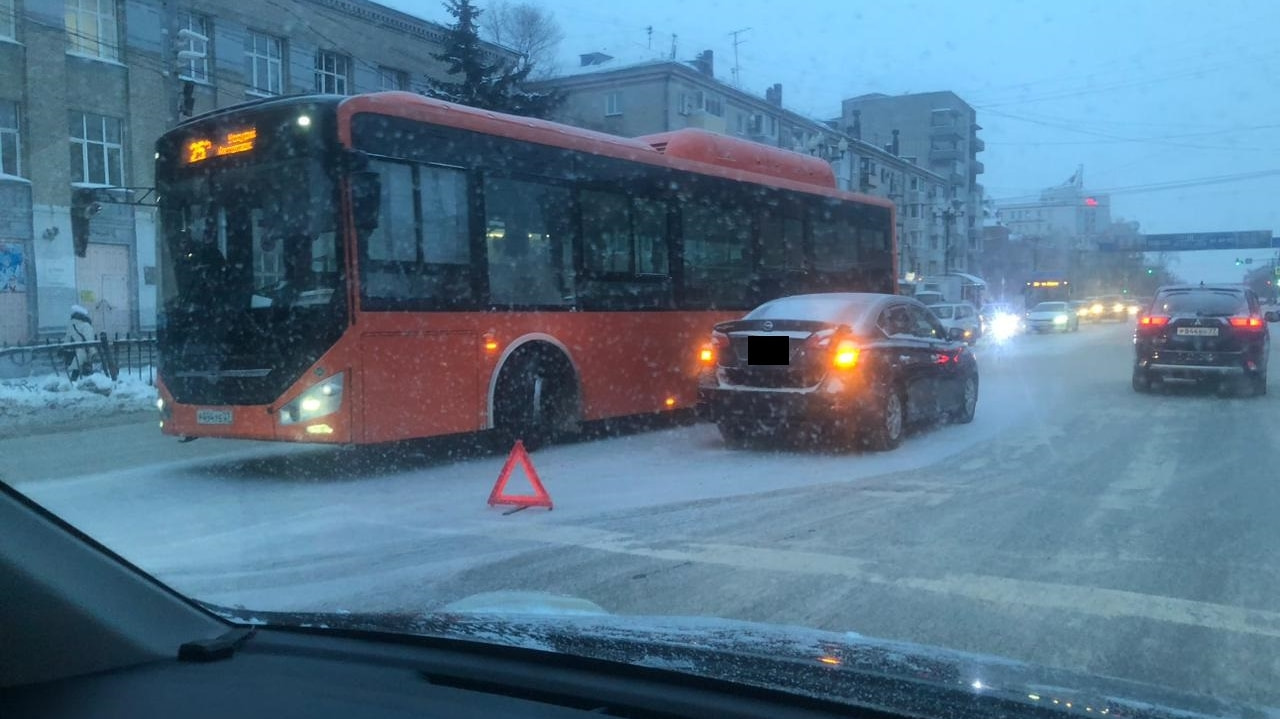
(125,354)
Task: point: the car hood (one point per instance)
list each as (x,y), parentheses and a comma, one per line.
(836,666)
(1047,315)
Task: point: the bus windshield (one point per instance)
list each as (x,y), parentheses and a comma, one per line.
(251,237)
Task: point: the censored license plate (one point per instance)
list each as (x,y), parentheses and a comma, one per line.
(213,416)
(1199,331)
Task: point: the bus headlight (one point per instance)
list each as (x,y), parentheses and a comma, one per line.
(324,398)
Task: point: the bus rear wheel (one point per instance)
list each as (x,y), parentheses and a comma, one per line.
(536,398)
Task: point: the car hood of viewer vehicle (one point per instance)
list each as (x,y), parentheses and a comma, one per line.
(836,666)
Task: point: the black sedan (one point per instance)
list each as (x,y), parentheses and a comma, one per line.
(862,366)
(1203,333)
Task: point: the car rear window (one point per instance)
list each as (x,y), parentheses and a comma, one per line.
(943,312)
(1204,302)
(821,309)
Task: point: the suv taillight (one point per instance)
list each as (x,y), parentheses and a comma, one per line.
(1153,321)
(1249,323)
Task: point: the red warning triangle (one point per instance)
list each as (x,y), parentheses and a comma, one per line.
(539,498)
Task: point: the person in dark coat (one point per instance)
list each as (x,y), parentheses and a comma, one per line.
(80,329)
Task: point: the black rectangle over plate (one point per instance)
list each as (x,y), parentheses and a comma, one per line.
(768,350)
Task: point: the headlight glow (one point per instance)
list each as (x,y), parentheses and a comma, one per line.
(1096,309)
(1059,319)
(324,398)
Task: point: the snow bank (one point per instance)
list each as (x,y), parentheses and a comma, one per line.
(52,400)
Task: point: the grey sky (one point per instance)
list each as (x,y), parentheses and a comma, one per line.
(1141,93)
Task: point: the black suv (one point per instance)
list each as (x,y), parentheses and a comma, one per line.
(1203,333)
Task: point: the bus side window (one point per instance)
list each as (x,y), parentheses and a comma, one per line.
(391,250)
(717,263)
(624,247)
(446,238)
(529,236)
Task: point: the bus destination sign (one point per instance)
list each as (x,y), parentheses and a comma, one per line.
(234,142)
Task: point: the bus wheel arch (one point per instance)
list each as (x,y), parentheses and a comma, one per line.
(535,392)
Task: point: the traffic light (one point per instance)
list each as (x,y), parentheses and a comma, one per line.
(1151,271)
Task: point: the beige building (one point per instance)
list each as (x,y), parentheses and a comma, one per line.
(941,131)
(87,86)
(658,95)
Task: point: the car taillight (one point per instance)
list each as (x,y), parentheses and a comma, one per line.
(1153,321)
(1252,323)
(845,355)
(710,352)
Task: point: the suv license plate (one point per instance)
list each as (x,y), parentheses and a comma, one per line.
(213,416)
(1199,331)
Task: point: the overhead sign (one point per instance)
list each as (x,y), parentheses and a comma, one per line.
(199,149)
(1185,241)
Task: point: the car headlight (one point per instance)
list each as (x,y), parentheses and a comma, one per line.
(1059,319)
(1096,309)
(324,398)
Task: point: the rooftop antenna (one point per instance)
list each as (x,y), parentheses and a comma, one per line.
(673,46)
(736,43)
(648,31)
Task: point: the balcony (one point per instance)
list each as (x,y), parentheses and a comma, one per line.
(945,132)
(977,143)
(977,168)
(955,178)
(947,154)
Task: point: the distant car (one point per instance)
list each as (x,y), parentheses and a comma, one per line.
(1203,333)
(1109,307)
(1052,317)
(961,315)
(862,366)
(1000,320)
(1080,308)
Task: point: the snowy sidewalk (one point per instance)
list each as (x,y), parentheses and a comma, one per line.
(50,403)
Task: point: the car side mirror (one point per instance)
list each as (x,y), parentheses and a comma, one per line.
(1272,316)
(956,333)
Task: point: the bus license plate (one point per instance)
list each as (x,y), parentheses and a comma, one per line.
(1199,331)
(213,416)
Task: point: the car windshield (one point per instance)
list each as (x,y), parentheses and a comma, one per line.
(821,309)
(1206,303)
(874,333)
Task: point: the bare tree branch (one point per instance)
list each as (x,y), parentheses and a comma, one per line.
(528,29)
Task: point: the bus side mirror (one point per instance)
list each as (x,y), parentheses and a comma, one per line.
(366,199)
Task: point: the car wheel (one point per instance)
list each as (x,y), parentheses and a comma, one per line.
(888,421)
(968,401)
(1141,381)
(735,432)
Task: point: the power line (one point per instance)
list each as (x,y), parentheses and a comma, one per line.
(1167,185)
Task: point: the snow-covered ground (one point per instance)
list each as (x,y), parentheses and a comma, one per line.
(48,401)
(296,527)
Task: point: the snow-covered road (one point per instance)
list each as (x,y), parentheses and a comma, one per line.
(1069,524)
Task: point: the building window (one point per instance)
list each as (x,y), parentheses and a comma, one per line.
(915,210)
(195,42)
(333,73)
(933,242)
(390,78)
(97,152)
(91,28)
(263,54)
(714,105)
(8,19)
(915,238)
(10,144)
(915,183)
(613,104)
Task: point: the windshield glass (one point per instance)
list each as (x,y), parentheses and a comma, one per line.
(1206,303)
(251,237)
(368,308)
(821,309)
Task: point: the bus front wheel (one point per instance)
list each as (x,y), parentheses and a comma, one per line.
(536,398)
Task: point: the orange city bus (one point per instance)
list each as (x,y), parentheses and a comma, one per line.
(384,267)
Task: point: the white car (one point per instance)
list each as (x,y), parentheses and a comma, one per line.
(1053,317)
(960,315)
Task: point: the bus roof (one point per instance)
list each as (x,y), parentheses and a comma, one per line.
(715,149)
(757,166)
